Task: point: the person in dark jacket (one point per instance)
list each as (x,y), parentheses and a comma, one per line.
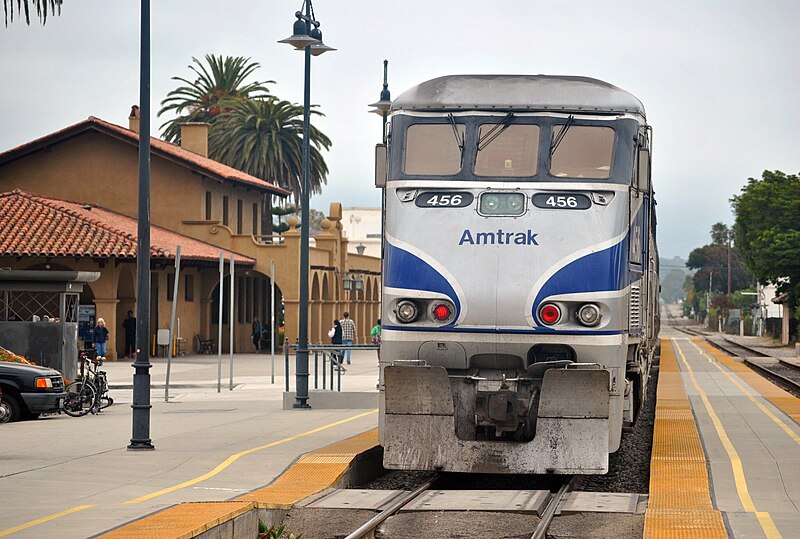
(255,334)
(100,337)
(336,338)
(129,324)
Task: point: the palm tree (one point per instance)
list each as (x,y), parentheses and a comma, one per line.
(215,90)
(23,6)
(264,138)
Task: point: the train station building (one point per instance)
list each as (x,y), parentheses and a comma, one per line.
(68,201)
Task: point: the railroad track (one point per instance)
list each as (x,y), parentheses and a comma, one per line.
(785,374)
(368,528)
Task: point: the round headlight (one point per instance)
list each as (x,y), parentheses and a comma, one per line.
(407,311)
(589,314)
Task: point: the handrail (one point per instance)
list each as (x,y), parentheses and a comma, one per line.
(327,360)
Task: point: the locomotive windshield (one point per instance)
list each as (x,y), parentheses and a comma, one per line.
(434,149)
(581,151)
(510,150)
(513,147)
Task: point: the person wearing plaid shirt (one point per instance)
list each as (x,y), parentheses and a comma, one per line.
(348,333)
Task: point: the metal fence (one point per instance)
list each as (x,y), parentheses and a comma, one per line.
(324,363)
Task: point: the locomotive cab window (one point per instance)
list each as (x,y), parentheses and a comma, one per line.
(510,150)
(581,151)
(434,149)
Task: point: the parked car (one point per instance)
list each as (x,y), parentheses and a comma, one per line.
(28,391)
(5,409)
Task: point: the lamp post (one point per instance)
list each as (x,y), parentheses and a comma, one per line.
(382,107)
(307,37)
(140,437)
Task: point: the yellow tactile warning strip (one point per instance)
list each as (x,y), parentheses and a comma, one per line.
(181,521)
(312,473)
(787,403)
(680,498)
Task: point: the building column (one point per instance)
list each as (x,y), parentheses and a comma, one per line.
(107,310)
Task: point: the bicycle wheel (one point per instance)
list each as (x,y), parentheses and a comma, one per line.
(105,402)
(80,399)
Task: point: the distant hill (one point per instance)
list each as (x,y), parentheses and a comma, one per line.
(673,272)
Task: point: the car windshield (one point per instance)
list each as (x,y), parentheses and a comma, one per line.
(434,149)
(510,150)
(581,151)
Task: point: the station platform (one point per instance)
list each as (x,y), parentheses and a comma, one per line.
(725,448)
(74,477)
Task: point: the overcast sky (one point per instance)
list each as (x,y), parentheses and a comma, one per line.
(720,80)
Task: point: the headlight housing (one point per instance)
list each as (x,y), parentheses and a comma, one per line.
(589,314)
(407,311)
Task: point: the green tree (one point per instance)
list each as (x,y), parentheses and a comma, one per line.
(43,7)
(768,230)
(711,263)
(264,138)
(217,87)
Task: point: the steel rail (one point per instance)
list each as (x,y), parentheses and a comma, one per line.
(764,371)
(752,350)
(552,506)
(390,510)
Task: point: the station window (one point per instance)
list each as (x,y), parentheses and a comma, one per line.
(239,216)
(225,211)
(170,285)
(434,149)
(255,219)
(188,282)
(208,205)
(511,151)
(581,151)
(239,299)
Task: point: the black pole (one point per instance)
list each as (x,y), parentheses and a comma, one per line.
(301,358)
(140,439)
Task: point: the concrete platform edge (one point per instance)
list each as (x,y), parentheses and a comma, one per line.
(242,521)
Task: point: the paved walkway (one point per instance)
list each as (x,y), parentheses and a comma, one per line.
(752,445)
(73,477)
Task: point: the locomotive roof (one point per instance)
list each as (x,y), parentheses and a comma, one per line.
(518,92)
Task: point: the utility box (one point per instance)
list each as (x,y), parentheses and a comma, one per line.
(39,316)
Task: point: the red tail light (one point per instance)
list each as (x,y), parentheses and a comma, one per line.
(441,312)
(550,314)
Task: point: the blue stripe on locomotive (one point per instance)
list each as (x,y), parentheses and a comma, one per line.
(602,271)
(405,270)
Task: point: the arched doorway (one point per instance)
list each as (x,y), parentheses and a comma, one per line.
(126,297)
(252,299)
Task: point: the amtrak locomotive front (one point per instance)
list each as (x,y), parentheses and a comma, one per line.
(520,280)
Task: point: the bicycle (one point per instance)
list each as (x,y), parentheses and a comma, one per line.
(89,393)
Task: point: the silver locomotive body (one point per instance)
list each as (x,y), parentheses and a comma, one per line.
(520,274)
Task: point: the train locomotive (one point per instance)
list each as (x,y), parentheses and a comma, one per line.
(520,275)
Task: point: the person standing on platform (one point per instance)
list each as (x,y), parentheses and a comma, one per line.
(375,335)
(336,338)
(129,325)
(348,333)
(256,334)
(100,337)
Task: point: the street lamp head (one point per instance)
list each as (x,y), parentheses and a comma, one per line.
(319,47)
(347,282)
(383,105)
(300,38)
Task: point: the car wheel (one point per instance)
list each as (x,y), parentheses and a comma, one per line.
(13,408)
(5,411)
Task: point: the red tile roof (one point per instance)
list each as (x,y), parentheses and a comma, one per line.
(167,150)
(33,225)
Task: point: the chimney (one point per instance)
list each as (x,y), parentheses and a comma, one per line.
(133,119)
(194,137)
